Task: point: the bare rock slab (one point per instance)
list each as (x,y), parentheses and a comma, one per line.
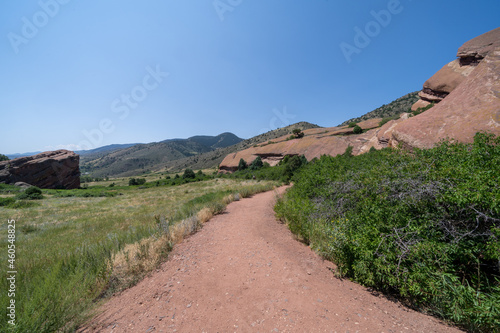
(52,169)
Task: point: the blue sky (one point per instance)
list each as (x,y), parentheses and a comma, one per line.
(82,74)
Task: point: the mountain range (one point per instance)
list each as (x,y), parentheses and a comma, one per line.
(139,158)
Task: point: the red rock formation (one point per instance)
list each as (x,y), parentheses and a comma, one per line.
(53,169)
(316,142)
(473,51)
(472,107)
(453,74)
(468,92)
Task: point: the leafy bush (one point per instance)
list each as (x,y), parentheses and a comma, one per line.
(256,163)
(188,173)
(136,181)
(297,132)
(357,130)
(242,165)
(282,172)
(352,124)
(423,225)
(31,193)
(4,158)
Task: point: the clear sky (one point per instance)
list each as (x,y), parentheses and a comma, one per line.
(82,74)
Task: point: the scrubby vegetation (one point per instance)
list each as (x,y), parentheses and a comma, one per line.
(385,120)
(31,193)
(297,133)
(242,165)
(72,249)
(395,108)
(138,181)
(420,110)
(4,158)
(282,172)
(357,130)
(423,225)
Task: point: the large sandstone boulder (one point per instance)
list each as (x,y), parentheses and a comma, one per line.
(473,51)
(472,107)
(445,81)
(454,73)
(53,169)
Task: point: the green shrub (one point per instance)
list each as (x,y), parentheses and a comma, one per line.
(256,163)
(136,181)
(6,201)
(4,158)
(357,130)
(242,165)
(352,124)
(31,193)
(423,225)
(188,174)
(297,133)
(348,151)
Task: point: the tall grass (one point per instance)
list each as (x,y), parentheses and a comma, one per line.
(72,251)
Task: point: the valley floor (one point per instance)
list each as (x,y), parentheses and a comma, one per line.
(245,272)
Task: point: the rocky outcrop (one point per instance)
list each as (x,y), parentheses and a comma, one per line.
(53,169)
(467,93)
(473,51)
(471,107)
(316,142)
(454,73)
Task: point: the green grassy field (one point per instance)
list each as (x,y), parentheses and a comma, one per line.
(73,251)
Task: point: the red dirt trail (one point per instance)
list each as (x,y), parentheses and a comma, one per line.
(245,272)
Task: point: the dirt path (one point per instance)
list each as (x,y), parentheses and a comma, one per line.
(244,272)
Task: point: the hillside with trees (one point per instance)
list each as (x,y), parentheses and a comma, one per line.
(394,108)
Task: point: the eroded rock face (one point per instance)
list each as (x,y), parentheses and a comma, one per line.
(445,81)
(53,169)
(473,51)
(316,142)
(454,73)
(472,107)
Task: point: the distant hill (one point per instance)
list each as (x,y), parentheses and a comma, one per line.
(13,156)
(394,108)
(129,160)
(197,152)
(220,141)
(214,158)
(104,149)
